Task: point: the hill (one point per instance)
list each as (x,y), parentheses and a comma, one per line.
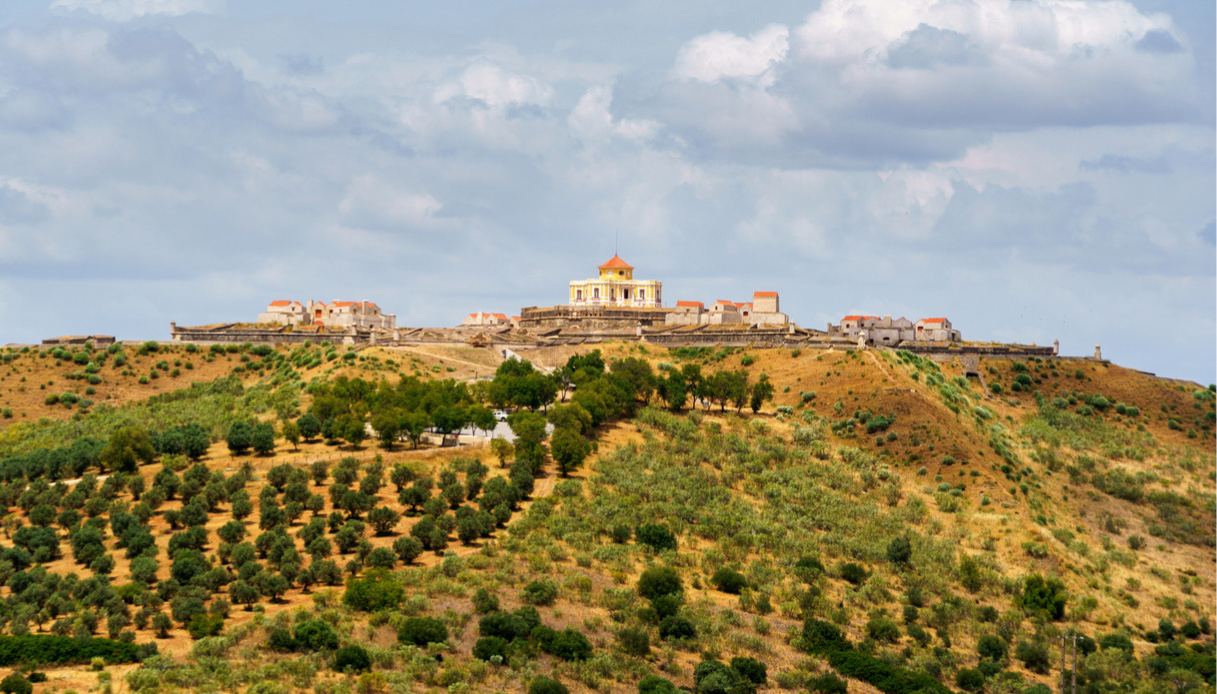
(882,522)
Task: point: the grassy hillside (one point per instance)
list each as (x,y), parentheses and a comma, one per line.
(882,523)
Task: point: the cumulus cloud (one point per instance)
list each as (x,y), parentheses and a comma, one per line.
(722,55)
(496,87)
(123,10)
(592,118)
(902,153)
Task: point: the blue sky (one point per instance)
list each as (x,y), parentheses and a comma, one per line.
(1032,169)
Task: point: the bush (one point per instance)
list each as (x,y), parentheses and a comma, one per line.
(991,647)
(1034,656)
(485,602)
(899,550)
(654,684)
(657,581)
(752,669)
(376,591)
(540,593)
(827,683)
(713,677)
(1043,597)
(352,658)
(729,581)
(489,646)
(634,641)
(315,635)
(970,680)
(40,649)
(852,572)
(545,685)
(883,629)
(16,683)
(676,627)
(657,537)
(569,644)
(421,631)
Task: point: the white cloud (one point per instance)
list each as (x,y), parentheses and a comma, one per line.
(124,10)
(496,87)
(592,118)
(722,55)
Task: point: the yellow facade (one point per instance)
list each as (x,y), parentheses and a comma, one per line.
(615,286)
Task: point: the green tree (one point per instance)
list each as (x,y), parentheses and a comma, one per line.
(388,425)
(240,437)
(762,392)
(569,448)
(309,425)
(263,438)
(291,433)
(126,449)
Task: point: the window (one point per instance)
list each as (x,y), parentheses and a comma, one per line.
(625,293)
(578,295)
(642,295)
(596,293)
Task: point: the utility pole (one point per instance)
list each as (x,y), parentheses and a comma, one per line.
(1073,670)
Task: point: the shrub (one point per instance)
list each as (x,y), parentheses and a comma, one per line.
(883,629)
(634,641)
(39,649)
(569,644)
(729,581)
(545,685)
(421,631)
(752,669)
(970,680)
(657,537)
(540,593)
(1034,656)
(352,658)
(16,683)
(315,635)
(676,627)
(1043,597)
(852,572)
(657,581)
(489,646)
(376,591)
(654,684)
(827,683)
(899,550)
(991,647)
(713,677)
(485,602)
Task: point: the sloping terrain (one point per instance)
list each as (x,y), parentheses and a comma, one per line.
(949,528)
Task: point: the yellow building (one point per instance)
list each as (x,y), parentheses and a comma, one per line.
(616,286)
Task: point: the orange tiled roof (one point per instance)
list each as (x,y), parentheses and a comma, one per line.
(691,304)
(764,294)
(616,263)
(283,302)
(933,320)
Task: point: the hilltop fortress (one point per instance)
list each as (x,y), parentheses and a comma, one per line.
(613,304)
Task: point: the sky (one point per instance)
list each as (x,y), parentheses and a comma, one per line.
(1035,170)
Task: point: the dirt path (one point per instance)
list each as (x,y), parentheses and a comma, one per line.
(422,353)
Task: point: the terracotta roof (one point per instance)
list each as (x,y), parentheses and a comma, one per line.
(859,318)
(691,304)
(764,294)
(500,316)
(283,302)
(932,320)
(616,263)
